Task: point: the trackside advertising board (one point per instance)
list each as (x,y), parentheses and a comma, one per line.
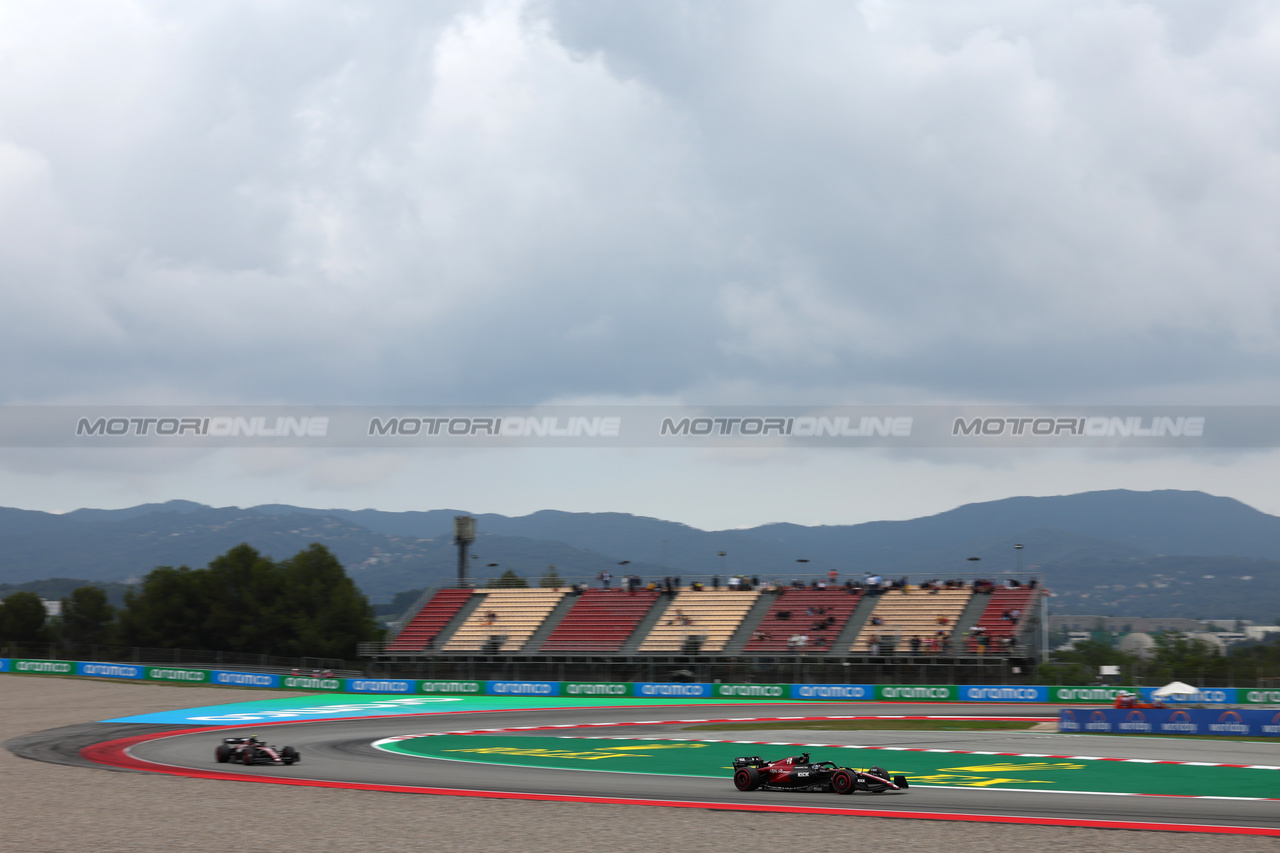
(614,689)
(44,667)
(1177,721)
(451,688)
(111,670)
(1205,696)
(1091,695)
(752,691)
(667,690)
(182,676)
(834,692)
(1245,696)
(311,682)
(380,685)
(916,693)
(522,688)
(1002,693)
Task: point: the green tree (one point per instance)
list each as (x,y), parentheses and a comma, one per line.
(508,580)
(552,579)
(243,589)
(87,616)
(22,617)
(325,612)
(167,610)
(245,602)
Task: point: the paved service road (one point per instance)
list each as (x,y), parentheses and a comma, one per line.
(341,751)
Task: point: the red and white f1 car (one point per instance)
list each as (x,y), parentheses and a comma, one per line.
(250,750)
(798,773)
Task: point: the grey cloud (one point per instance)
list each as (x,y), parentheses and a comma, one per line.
(509,203)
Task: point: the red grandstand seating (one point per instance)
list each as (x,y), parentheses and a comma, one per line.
(430,620)
(600,620)
(773,632)
(991,621)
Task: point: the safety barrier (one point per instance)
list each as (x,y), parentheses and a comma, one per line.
(994,693)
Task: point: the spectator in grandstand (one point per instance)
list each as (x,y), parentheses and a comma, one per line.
(873,645)
(680,618)
(876,620)
(915,645)
(831,576)
(715,581)
(490,617)
(942,620)
(604,577)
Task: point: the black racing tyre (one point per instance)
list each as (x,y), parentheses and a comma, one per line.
(222,754)
(746,779)
(901,782)
(289,755)
(843,782)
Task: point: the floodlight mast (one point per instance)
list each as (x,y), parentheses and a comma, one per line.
(464,533)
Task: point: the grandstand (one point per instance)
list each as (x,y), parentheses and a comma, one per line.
(911,612)
(600,620)
(708,616)
(504,621)
(992,623)
(819,614)
(427,624)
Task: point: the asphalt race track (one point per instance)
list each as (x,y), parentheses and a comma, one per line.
(340,753)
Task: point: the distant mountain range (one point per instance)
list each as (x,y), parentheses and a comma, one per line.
(1122,552)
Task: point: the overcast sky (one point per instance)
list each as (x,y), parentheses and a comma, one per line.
(574,201)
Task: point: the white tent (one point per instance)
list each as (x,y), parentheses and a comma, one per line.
(1177,688)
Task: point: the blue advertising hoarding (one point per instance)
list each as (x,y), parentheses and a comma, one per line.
(834,692)
(1003,693)
(1205,696)
(1171,721)
(111,670)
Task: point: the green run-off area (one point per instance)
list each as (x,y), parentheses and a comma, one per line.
(697,758)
